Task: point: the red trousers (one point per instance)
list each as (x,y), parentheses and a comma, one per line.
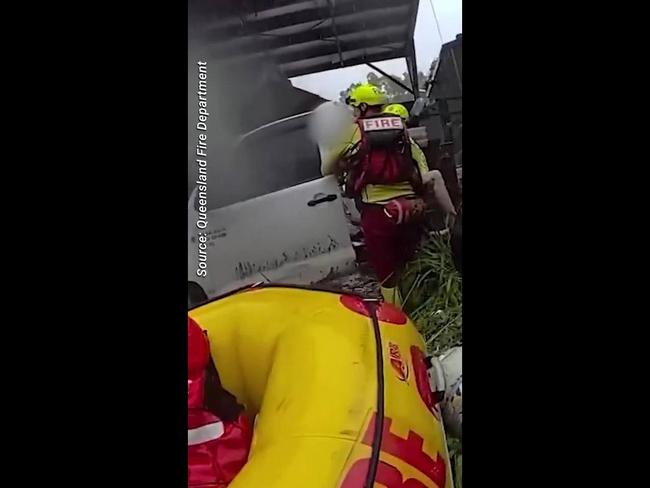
(389,246)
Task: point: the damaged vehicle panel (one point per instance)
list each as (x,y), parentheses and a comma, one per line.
(288,225)
(276,237)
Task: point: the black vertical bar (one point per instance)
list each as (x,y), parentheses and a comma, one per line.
(446,163)
(412,65)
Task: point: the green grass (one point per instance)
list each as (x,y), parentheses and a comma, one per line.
(433,299)
(433,295)
(455,447)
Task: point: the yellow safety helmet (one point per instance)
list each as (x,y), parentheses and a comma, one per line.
(397,109)
(366,93)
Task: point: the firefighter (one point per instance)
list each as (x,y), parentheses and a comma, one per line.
(384,170)
(433,177)
(218,434)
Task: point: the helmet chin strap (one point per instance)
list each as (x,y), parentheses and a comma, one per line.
(363,108)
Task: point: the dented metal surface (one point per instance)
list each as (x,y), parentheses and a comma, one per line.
(246,269)
(277,237)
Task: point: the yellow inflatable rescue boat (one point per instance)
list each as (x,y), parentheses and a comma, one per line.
(339,386)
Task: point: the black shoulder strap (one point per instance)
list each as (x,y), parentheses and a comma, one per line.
(217,399)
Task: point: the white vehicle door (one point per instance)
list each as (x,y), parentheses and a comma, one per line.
(277,218)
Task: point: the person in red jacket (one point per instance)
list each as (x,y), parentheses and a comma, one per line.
(218,434)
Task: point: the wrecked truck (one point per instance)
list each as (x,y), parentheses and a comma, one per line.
(268,213)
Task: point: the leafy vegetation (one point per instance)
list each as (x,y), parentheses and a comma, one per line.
(392,90)
(433,299)
(456,455)
(432,291)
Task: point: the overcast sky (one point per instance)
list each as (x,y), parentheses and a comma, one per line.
(328,84)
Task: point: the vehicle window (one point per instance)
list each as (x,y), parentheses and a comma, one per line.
(268,161)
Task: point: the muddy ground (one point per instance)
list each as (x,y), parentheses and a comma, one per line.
(362,282)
